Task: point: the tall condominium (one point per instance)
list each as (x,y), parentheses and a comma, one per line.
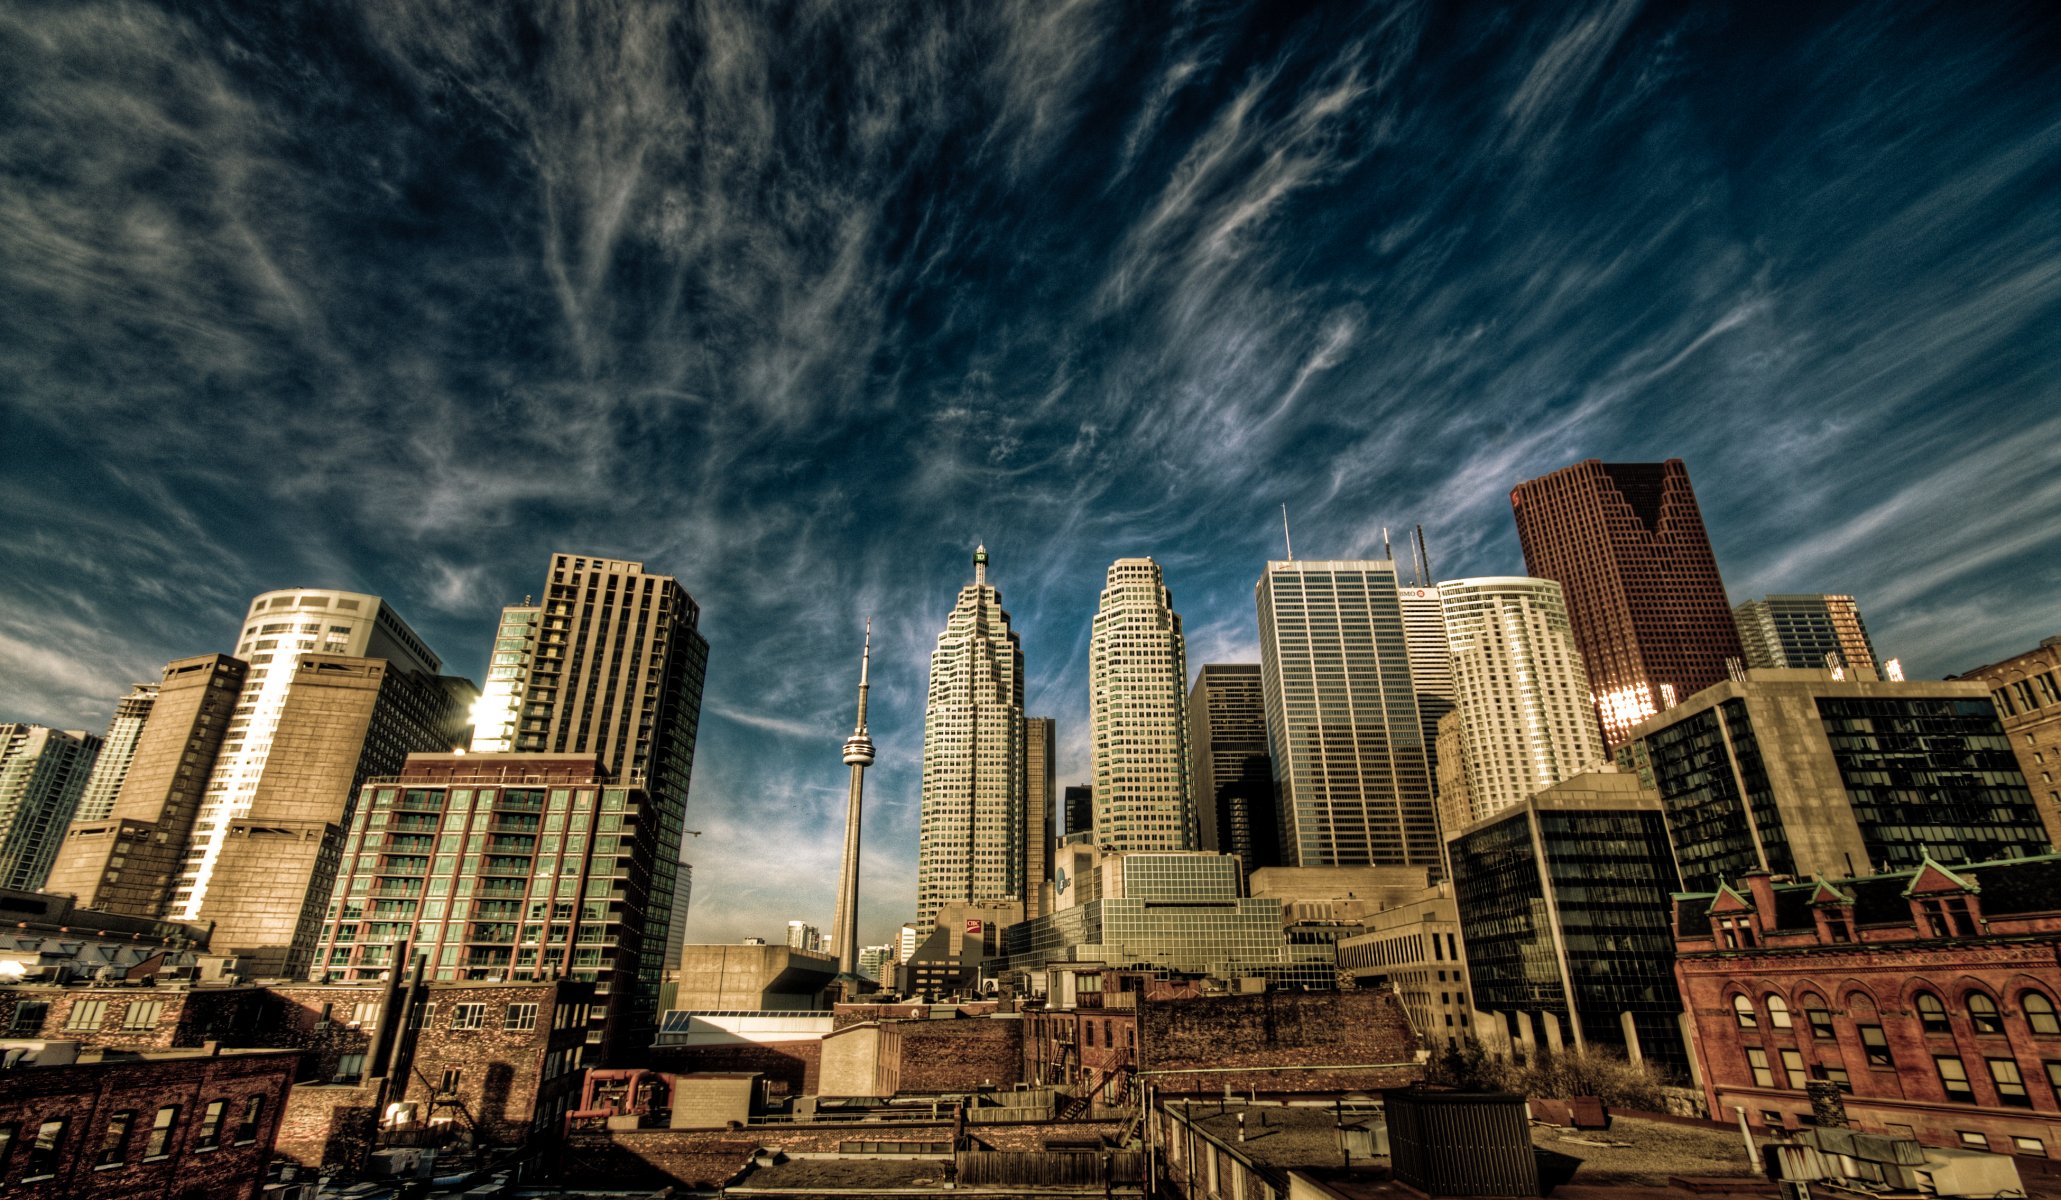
(117,751)
(1137,713)
(1352,774)
(498,714)
(617,673)
(1804,631)
(1040,747)
(1627,546)
(127,859)
(970,844)
(42,774)
(1526,720)
(1232,775)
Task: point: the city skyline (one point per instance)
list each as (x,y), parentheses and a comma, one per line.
(430,321)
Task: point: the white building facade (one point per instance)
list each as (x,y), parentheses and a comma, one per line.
(1138,713)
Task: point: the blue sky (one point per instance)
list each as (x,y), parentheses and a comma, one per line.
(798,302)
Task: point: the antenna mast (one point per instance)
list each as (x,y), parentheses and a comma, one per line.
(1284,533)
(1424,555)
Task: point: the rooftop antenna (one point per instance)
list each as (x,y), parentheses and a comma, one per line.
(1284,533)
(1387,551)
(1424,552)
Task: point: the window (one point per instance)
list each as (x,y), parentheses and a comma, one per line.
(1820,1017)
(160,1143)
(29,1014)
(1875,1046)
(6,1143)
(522,1017)
(1742,1008)
(2039,1014)
(1973,1140)
(253,1116)
(1932,1014)
(349,1067)
(2031,1146)
(1953,1076)
(142,1014)
(449,1082)
(1837,1077)
(1778,1012)
(1792,1066)
(111,1142)
(43,1151)
(1772,1119)
(1982,1013)
(85,1014)
(469,1016)
(210,1134)
(1757,1061)
(2010,1083)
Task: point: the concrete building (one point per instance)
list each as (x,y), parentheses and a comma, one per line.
(1413,948)
(1337,895)
(1805,632)
(2027,691)
(500,868)
(42,774)
(1526,719)
(617,673)
(1626,543)
(117,751)
(1923,1002)
(127,859)
(1230,770)
(1352,772)
(970,846)
(1137,713)
(1080,809)
(724,978)
(497,717)
(1564,912)
(1800,773)
(1040,767)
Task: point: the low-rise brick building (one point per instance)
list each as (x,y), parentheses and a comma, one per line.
(1929,998)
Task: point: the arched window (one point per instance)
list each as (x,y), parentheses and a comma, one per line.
(1742,1008)
(1818,1016)
(1932,1014)
(1778,1011)
(1982,1013)
(2040,1015)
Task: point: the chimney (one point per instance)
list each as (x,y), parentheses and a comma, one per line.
(1760,888)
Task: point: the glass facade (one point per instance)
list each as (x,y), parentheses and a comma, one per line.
(1694,771)
(1232,774)
(1804,632)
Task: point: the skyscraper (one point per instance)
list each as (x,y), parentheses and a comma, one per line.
(1802,631)
(1526,718)
(970,850)
(1431,671)
(42,773)
(617,673)
(1040,745)
(858,755)
(1352,775)
(117,751)
(1626,543)
(1080,808)
(1138,714)
(498,715)
(1232,775)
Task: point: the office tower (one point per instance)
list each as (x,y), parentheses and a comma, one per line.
(2026,689)
(1563,902)
(905,943)
(498,715)
(1137,712)
(1431,672)
(42,773)
(1626,544)
(1799,773)
(1526,719)
(1455,803)
(1039,749)
(969,849)
(858,755)
(1230,770)
(1351,771)
(1804,631)
(1080,809)
(499,868)
(803,936)
(127,859)
(117,751)
(617,673)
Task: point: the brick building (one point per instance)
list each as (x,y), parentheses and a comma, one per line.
(1930,998)
(2027,691)
(109,1123)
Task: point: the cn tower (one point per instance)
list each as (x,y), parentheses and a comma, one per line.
(858,754)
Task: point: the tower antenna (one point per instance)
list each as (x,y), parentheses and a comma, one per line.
(1424,556)
(1387,551)
(1284,533)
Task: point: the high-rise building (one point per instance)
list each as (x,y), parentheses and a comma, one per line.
(1626,544)
(617,673)
(1804,631)
(498,715)
(1137,712)
(1431,671)
(877,962)
(1455,803)
(1231,773)
(2026,689)
(1351,771)
(117,751)
(128,859)
(1799,773)
(858,755)
(969,849)
(1526,720)
(42,773)
(803,936)
(1080,809)
(1040,746)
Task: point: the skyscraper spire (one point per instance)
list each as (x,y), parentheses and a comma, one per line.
(980,563)
(858,754)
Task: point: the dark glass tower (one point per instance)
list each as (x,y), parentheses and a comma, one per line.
(1232,774)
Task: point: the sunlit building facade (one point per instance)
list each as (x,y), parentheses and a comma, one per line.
(1810,632)
(117,751)
(42,774)
(1138,714)
(497,716)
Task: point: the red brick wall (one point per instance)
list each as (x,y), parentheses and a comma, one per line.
(1222,1038)
(790,1068)
(961,1055)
